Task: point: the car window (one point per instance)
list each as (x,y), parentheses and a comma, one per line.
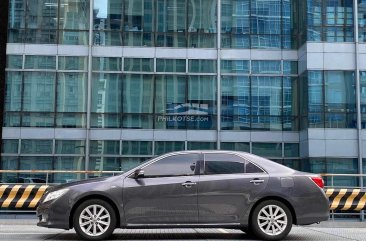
(251,168)
(218,163)
(178,165)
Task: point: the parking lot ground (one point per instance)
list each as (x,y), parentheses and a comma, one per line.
(26,229)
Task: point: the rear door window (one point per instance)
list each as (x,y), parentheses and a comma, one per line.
(219,163)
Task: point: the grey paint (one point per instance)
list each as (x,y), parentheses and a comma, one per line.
(223,200)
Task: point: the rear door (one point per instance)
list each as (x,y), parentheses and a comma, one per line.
(167,194)
(228,186)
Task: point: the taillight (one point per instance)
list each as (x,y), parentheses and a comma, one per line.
(318,181)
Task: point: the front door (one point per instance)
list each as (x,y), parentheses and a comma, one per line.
(166,194)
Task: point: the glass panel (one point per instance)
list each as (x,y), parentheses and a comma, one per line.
(74,14)
(40,14)
(178,165)
(69,163)
(289,67)
(266,96)
(363,97)
(70,147)
(251,168)
(235,102)
(105,121)
(39,91)
(138,93)
(106,93)
(72,63)
(106,38)
(136,148)
(267,149)
(8,163)
(171,65)
(139,65)
(71,92)
(202,93)
(292,150)
(42,119)
(104,164)
(266,67)
(35,163)
(73,37)
(107,64)
(202,23)
(14,61)
(36,147)
(235,66)
(170,94)
(235,146)
(223,164)
(202,66)
(137,121)
(131,162)
(70,120)
(162,147)
(265,17)
(177,40)
(340,93)
(11,119)
(104,147)
(39,62)
(10,146)
(266,41)
(108,14)
(195,145)
(290,96)
(13,91)
(315,89)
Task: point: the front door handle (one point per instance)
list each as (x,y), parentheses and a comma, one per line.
(188,184)
(256,181)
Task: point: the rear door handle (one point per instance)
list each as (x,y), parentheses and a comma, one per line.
(188,184)
(256,181)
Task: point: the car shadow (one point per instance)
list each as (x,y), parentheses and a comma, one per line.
(172,236)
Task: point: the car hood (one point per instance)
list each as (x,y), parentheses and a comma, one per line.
(71,184)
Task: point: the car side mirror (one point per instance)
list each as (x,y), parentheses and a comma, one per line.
(139,174)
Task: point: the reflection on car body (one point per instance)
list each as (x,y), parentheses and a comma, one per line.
(190,189)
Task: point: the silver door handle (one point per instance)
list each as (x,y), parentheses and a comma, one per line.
(257,181)
(188,184)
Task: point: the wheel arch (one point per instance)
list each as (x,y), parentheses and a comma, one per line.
(276,198)
(94,196)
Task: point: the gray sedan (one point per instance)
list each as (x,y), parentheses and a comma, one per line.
(190,189)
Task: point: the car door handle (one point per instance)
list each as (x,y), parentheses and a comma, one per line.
(188,184)
(256,181)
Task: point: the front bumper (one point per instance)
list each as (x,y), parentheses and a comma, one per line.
(53,215)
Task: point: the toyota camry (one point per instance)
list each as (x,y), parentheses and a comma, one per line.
(204,189)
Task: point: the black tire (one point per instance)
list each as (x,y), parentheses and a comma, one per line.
(272,222)
(247,230)
(108,229)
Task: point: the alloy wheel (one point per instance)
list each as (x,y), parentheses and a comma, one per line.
(94,220)
(272,220)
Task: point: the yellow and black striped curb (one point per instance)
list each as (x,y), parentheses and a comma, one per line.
(23,197)
(26,197)
(346,199)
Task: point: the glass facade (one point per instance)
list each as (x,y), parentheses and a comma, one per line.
(147,77)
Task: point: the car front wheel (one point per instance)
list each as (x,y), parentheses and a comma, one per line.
(271,220)
(94,220)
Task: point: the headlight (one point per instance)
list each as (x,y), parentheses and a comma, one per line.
(54,195)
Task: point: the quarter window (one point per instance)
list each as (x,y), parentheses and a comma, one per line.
(251,168)
(179,165)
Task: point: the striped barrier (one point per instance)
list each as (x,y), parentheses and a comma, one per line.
(26,197)
(346,199)
(21,197)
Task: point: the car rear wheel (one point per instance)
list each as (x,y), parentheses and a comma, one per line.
(271,220)
(94,220)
